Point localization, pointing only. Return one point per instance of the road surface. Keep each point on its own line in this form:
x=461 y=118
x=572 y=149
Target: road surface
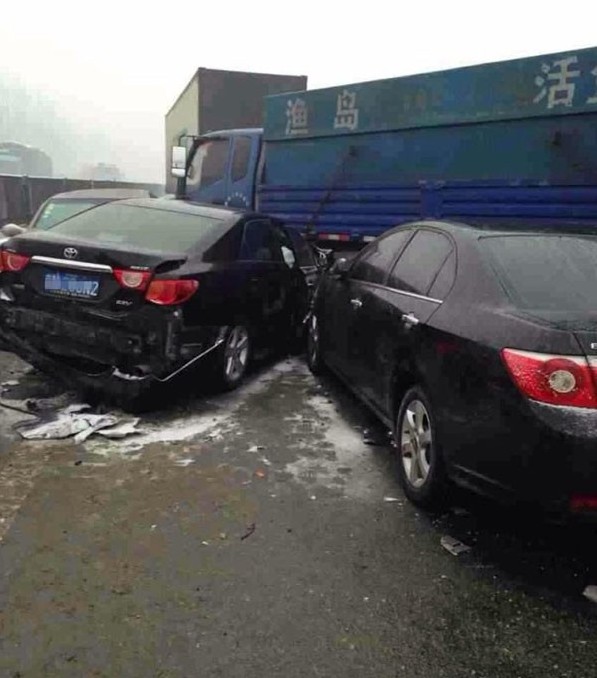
x=255 y=534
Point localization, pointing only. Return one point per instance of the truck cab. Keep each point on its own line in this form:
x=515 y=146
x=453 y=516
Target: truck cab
x=222 y=168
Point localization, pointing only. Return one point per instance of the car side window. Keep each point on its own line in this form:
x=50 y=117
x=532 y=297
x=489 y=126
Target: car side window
x=304 y=253
x=286 y=245
x=420 y=262
x=444 y=280
x=373 y=265
x=260 y=242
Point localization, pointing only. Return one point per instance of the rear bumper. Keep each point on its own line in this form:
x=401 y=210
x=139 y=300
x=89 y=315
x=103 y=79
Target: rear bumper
x=109 y=356
x=536 y=455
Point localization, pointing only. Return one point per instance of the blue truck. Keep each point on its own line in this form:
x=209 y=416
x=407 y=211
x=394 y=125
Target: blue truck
x=499 y=142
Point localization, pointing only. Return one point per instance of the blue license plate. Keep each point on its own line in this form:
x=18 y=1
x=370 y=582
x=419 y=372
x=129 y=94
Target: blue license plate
x=71 y=284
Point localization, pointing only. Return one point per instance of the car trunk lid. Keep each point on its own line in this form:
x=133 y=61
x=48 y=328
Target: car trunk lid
x=81 y=273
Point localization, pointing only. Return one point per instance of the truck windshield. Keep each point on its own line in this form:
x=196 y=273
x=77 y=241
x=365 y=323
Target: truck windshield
x=209 y=164
x=543 y=272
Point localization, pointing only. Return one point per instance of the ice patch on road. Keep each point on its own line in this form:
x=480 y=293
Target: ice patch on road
x=344 y=451
x=215 y=419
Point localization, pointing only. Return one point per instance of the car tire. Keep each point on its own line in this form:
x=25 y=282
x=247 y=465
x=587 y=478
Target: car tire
x=313 y=341
x=235 y=355
x=420 y=464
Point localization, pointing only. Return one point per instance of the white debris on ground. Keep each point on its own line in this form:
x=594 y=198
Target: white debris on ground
x=590 y=593
x=454 y=546
x=212 y=418
x=73 y=421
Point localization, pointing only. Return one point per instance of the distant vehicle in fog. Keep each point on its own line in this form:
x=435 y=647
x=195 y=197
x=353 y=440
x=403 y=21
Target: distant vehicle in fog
x=21 y=159
x=101 y=172
x=62 y=206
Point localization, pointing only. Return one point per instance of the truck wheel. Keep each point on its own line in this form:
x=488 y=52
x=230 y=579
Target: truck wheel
x=420 y=464
x=314 y=360
x=234 y=357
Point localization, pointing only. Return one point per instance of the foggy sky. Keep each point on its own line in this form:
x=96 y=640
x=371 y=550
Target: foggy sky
x=111 y=70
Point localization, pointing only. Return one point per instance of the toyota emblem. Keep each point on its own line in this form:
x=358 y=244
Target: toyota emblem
x=71 y=253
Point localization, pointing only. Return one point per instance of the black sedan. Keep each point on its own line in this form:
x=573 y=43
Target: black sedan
x=479 y=349
x=136 y=292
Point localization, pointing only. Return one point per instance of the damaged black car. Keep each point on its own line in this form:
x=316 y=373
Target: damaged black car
x=134 y=293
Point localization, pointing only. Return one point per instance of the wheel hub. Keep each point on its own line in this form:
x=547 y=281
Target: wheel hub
x=415 y=443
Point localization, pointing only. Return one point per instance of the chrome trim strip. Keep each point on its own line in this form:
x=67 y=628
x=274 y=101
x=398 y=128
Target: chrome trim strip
x=392 y=289
x=128 y=377
x=67 y=263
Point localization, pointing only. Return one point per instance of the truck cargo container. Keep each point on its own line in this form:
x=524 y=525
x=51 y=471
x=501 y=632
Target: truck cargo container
x=512 y=141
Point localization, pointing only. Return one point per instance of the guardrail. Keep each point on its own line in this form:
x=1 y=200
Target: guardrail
x=20 y=196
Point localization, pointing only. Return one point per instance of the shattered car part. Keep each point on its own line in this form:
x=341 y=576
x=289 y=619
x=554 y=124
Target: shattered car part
x=73 y=422
x=454 y=546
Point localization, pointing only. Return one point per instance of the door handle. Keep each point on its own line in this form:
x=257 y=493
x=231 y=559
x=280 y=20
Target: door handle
x=410 y=319
x=356 y=303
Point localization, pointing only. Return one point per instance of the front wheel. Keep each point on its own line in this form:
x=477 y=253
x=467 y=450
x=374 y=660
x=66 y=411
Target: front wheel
x=235 y=355
x=420 y=464
x=314 y=360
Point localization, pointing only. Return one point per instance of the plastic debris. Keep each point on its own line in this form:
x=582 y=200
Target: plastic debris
x=184 y=462
x=454 y=546
x=260 y=473
x=256 y=448
x=123 y=430
x=95 y=425
x=590 y=593
x=73 y=421
x=391 y=500
x=250 y=529
x=13 y=382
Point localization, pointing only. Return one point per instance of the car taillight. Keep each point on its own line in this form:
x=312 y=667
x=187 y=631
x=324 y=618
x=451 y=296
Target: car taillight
x=169 y=292
x=132 y=280
x=583 y=502
x=553 y=379
x=11 y=261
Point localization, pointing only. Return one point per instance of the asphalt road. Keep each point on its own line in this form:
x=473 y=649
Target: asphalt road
x=250 y=535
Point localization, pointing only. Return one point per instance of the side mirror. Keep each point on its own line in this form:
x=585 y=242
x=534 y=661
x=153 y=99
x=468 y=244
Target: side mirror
x=179 y=162
x=341 y=268
x=11 y=230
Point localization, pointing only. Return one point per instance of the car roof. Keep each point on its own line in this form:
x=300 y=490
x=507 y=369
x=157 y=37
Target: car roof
x=189 y=207
x=102 y=193
x=478 y=229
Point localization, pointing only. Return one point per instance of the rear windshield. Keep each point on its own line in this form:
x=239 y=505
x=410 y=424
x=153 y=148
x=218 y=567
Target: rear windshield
x=57 y=211
x=148 y=228
x=546 y=272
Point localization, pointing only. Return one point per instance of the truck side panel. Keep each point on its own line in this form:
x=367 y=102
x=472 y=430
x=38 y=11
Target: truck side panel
x=514 y=140
x=361 y=185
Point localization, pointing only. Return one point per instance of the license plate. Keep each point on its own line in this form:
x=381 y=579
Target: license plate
x=71 y=284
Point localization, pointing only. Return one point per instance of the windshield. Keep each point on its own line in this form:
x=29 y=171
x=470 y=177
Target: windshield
x=59 y=210
x=135 y=226
x=547 y=273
